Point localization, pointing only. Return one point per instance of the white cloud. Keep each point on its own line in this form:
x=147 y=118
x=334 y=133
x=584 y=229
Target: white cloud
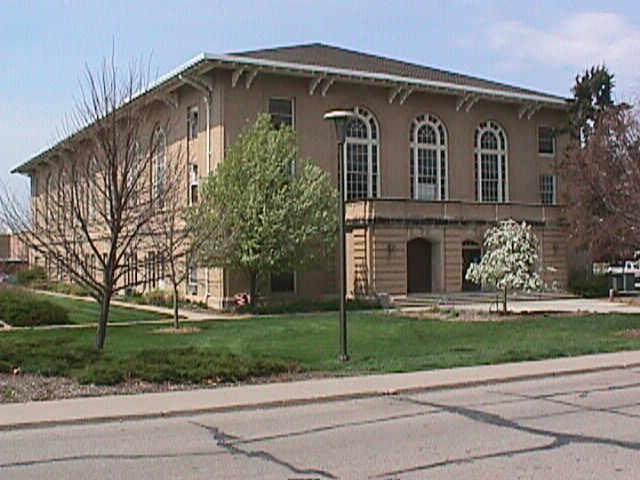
x=577 y=42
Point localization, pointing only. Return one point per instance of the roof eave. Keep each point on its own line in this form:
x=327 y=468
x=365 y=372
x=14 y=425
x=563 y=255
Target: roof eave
x=234 y=61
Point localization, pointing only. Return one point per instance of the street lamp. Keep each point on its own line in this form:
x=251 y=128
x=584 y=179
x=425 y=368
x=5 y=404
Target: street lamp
x=340 y=119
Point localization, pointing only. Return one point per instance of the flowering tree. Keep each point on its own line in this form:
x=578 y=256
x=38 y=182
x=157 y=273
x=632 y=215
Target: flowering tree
x=511 y=250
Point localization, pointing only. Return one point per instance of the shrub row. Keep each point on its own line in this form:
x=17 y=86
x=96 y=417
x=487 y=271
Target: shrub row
x=307 y=306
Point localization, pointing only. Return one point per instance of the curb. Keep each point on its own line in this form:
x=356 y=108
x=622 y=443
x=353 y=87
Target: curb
x=135 y=407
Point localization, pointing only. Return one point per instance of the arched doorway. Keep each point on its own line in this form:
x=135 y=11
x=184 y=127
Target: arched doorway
x=471 y=253
x=418 y=266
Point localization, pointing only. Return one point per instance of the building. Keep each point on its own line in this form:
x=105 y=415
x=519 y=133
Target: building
x=434 y=159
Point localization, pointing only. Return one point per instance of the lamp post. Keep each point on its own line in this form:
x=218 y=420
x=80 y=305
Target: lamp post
x=340 y=118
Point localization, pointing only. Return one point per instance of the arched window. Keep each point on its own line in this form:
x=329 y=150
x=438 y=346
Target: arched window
x=62 y=197
x=93 y=190
x=134 y=176
x=159 y=166
x=361 y=162
x=491 y=163
x=50 y=199
x=428 y=159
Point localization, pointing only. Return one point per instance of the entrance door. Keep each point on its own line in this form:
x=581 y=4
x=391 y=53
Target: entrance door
x=470 y=254
x=418 y=266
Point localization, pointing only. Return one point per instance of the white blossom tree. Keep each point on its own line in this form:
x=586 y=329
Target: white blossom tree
x=511 y=252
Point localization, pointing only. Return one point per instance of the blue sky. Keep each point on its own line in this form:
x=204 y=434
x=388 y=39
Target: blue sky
x=45 y=46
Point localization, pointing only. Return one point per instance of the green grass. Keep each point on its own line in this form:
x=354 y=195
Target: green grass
x=378 y=342
x=82 y=312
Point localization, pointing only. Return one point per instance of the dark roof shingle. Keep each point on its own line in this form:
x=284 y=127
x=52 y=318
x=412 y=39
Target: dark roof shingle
x=322 y=55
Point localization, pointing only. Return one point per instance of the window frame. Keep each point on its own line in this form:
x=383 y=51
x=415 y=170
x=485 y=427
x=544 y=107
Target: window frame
x=554 y=188
x=294 y=276
x=191 y=135
x=502 y=158
x=372 y=145
x=553 y=141
x=292 y=103
x=441 y=150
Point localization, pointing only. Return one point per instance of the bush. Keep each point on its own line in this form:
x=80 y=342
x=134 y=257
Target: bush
x=67 y=288
x=20 y=308
x=589 y=285
x=31 y=275
x=182 y=364
x=159 y=298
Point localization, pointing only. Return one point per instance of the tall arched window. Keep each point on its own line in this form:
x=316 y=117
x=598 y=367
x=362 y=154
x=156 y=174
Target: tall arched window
x=50 y=199
x=492 y=164
x=63 y=206
x=159 y=165
x=134 y=175
x=93 y=188
x=428 y=159
x=361 y=162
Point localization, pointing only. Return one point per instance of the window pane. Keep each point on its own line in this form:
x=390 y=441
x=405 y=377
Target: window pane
x=281 y=111
x=282 y=282
x=546 y=140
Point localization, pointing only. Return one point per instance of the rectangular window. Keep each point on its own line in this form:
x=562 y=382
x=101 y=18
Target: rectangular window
x=192 y=287
x=548 y=189
x=546 y=141
x=283 y=282
x=192 y=123
x=281 y=111
x=193 y=184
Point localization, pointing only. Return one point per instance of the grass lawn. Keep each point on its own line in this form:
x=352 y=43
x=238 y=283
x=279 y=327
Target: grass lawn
x=239 y=349
x=81 y=311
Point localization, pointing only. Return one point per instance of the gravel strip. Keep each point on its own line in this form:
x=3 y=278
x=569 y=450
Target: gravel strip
x=17 y=388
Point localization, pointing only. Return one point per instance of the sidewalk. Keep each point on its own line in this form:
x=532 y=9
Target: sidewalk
x=568 y=305
x=151 y=405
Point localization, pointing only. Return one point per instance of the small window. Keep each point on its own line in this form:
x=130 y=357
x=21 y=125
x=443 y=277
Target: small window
x=192 y=123
x=548 y=189
x=34 y=185
x=281 y=111
x=283 y=282
x=546 y=141
x=193 y=184
x=192 y=287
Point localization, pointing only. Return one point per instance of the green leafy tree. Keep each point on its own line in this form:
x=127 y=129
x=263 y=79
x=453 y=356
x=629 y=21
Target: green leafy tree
x=265 y=209
x=592 y=96
x=511 y=251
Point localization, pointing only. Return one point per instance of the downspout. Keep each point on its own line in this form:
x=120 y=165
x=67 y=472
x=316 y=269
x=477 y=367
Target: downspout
x=206 y=90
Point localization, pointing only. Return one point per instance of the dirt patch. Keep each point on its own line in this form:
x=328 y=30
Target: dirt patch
x=634 y=333
x=176 y=331
x=452 y=315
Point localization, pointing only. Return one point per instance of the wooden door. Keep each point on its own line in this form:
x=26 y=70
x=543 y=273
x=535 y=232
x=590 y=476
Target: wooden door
x=419 y=266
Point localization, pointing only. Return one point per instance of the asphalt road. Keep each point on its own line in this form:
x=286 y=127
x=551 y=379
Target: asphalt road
x=574 y=427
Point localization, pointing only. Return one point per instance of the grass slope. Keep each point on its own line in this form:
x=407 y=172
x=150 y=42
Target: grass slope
x=82 y=312
x=378 y=342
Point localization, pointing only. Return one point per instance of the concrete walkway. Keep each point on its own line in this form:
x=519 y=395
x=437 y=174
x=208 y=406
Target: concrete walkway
x=185 y=313
x=560 y=305
x=90 y=409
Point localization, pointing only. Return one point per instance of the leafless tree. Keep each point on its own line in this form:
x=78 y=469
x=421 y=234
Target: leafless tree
x=169 y=234
x=104 y=186
x=603 y=186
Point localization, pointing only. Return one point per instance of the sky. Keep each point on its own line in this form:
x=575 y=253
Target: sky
x=46 y=46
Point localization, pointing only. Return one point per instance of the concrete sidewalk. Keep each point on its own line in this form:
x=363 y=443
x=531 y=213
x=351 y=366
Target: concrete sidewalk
x=90 y=409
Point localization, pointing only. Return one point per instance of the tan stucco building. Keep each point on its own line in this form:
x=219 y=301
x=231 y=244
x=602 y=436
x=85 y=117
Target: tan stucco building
x=434 y=159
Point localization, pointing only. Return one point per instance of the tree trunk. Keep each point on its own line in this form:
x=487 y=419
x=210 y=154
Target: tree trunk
x=175 y=307
x=101 y=334
x=504 y=301
x=253 y=288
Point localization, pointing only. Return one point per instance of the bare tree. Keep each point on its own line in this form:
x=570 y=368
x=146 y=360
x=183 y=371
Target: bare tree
x=169 y=234
x=603 y=186
x=103 y=188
